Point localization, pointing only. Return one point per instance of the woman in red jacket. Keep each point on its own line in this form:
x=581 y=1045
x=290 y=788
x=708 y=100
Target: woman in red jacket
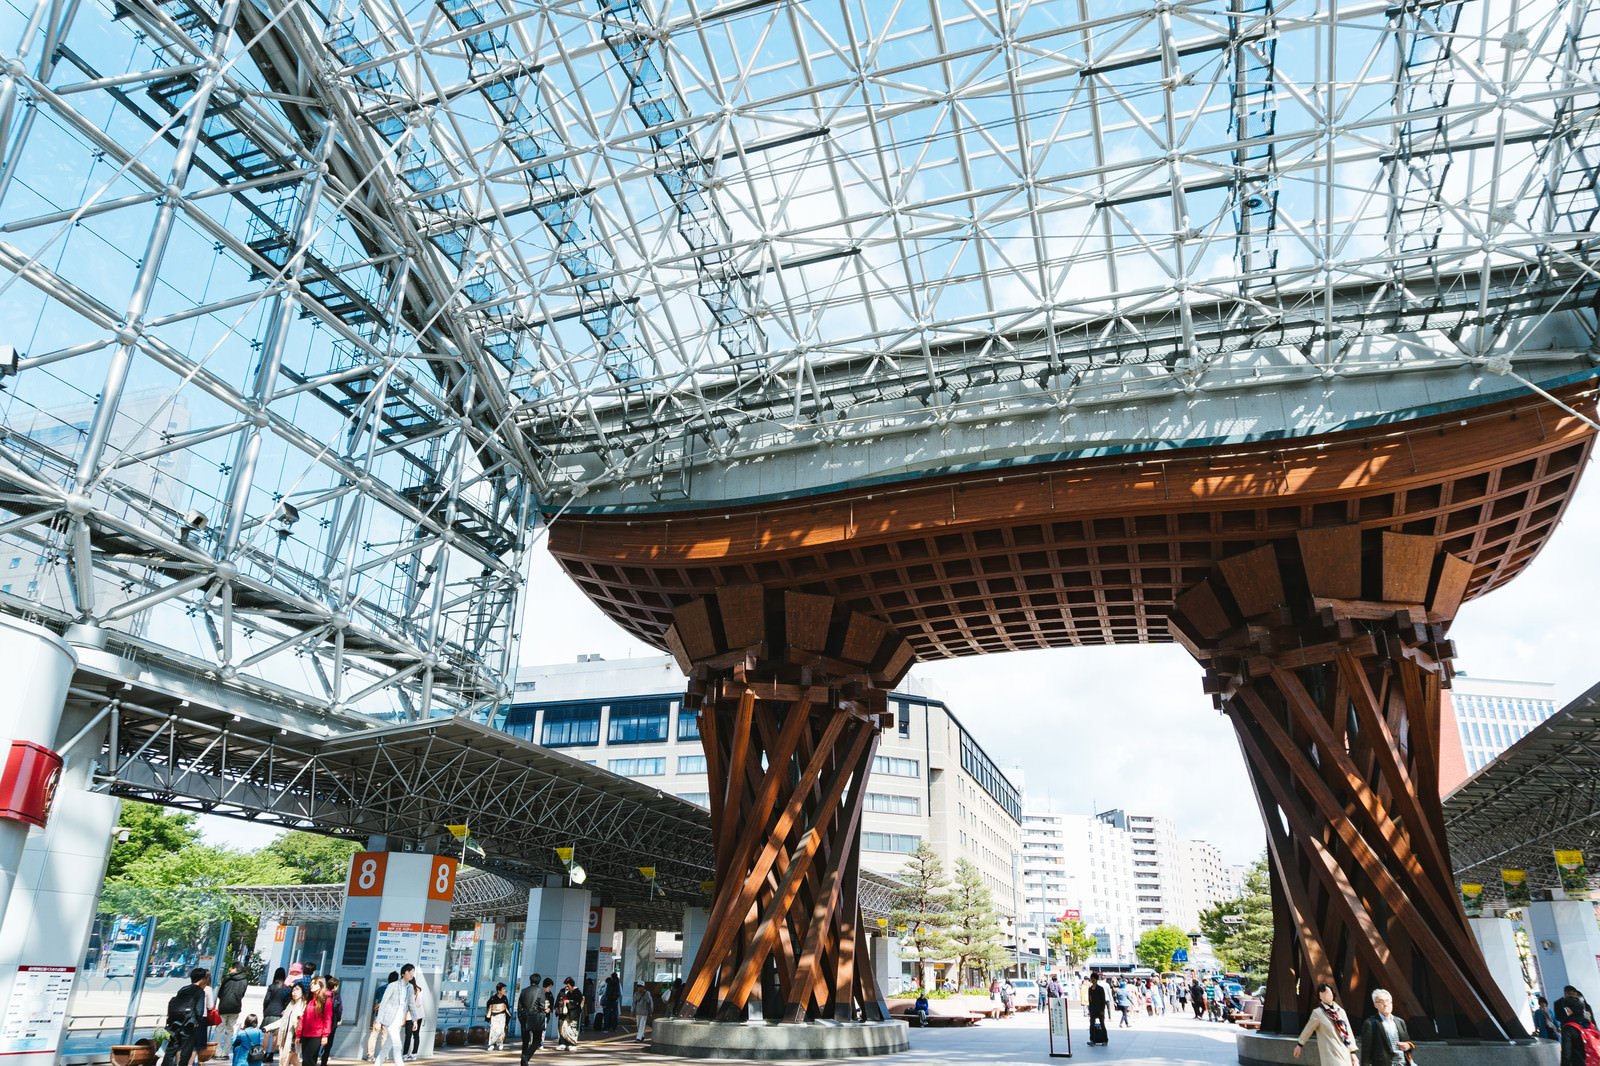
x=316 y=1024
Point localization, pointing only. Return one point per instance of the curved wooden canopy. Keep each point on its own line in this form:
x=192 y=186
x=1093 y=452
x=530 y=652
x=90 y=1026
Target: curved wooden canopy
x=1096 y=551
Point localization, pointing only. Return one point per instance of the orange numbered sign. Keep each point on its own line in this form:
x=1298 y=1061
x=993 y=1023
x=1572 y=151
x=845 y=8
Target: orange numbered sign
x=442 y=878
x=366 y=873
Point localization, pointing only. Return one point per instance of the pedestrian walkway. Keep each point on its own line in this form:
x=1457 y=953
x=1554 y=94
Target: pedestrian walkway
x=1171 y=1040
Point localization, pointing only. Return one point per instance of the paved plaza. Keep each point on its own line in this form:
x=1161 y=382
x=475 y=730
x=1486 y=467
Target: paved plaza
x=1173 y=1039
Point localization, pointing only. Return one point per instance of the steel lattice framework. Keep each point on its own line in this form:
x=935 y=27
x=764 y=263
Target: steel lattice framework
x=312 y=306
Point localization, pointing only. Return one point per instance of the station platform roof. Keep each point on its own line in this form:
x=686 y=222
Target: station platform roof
x=1539 y=795
x=175 y=740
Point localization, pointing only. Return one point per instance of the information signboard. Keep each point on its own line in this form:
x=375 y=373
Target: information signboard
x=1060 y=1029
x=37 y=1012
x=398 y=944
x=433 y=947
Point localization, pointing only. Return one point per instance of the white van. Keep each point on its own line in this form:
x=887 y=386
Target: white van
x=122 y=960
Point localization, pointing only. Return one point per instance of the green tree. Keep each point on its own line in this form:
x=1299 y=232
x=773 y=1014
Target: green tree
x=314 y=858
x=972 y=923
x=1244 y=946
x=920 y=910
x=183 y=889
x=1156 y=946
x=1075 y=941
x=149 y=828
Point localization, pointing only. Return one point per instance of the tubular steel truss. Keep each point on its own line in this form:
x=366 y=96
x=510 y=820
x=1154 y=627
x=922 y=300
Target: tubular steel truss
x=309 y=306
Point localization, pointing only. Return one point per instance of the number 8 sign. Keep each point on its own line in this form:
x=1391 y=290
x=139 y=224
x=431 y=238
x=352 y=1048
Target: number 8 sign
x=442 y=878
x=366 y=873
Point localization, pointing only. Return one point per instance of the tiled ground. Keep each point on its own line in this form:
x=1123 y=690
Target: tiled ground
x=1171 y=1041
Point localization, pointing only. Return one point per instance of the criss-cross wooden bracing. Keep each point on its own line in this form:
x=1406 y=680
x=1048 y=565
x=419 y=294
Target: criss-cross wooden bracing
x=1328 y=653
x=790 y=690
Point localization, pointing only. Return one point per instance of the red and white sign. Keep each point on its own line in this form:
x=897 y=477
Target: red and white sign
x=442 y=878
x=28 y=783
x=594 y=919
x=1069 y=916
x=367 y=870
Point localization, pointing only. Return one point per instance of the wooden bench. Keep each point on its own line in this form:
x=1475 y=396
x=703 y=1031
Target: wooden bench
x=1250 y=1017
x=939 y=1020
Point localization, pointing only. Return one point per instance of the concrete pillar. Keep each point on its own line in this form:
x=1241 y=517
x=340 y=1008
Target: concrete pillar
x=695 y=920
x=557 y=932
x=1566 y=942
x=1498 y=939
x=638 y=959
x=396 y=911
x=45 y=933
x=39 y=667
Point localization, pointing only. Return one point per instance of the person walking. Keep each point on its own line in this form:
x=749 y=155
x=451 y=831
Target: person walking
x=552 y=1024
x=1336 y=1045
x=1544 y=1022
x=1572 y=1016
x=186 y=1021
x=1197 y=997
x=248 y=1043
x=315 y=1030
x=272 y=1007
x=390 y=1021
x=611 y=1001
x=417 y=1010
x=569 y=1008
x=289 y=1024
x=1124 y=1000
x=1005 y=1000
x=1096 y=1002
x=644 y=1004
x=1384 y=1039
x=530 y=1016
x=337 y=1001
x=497 y=1012
x=230 y=1003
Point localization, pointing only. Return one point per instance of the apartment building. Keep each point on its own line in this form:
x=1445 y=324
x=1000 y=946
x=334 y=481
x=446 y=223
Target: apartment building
x=1493 y=714
x=931 y=779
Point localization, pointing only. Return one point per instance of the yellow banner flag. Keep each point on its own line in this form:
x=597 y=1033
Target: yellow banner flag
x=883 y=923
x=648 y=872
x=564 y=854
x=458 y=831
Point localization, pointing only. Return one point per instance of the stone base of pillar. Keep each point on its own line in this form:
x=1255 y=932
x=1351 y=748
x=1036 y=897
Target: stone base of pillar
x=1258 y=1050
x=777 y=1041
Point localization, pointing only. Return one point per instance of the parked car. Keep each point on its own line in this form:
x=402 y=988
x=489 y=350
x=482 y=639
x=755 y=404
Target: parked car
x=1027 y=988
x=122 y=960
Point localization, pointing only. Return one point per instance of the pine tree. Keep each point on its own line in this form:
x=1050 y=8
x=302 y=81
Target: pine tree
x=974 y=925
x=1244 y=946
x=920 y=910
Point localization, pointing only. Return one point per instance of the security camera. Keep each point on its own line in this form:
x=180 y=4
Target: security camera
x=195 y=520
x=121 y=834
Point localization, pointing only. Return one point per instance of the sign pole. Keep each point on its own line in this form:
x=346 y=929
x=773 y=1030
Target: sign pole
x=1060 y=1027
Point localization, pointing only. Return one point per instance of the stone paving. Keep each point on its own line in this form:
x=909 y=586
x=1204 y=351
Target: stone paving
x=1179 y=1041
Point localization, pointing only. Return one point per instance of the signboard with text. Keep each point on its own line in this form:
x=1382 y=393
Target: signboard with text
x=1060 y=1029
x=37 y=1012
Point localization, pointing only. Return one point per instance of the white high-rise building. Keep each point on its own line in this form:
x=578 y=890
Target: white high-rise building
x=1160 y=856
x=1492 y=715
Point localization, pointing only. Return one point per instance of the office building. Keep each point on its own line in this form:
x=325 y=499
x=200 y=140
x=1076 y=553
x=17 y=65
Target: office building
x=931 y=779
x=1492 y=714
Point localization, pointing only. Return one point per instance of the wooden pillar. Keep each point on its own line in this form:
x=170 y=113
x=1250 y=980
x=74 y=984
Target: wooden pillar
x=1328 y=655
x=791 y=694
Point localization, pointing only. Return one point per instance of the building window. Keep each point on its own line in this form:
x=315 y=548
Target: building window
x=699 y=799
x=638 y=722
x=905 y=718
x=638 y=767
x=16 y=561
x=688 y=725
x=567 y=727
x=896 y=842
x=888 y=764
x=691 y=764
x=885 y=803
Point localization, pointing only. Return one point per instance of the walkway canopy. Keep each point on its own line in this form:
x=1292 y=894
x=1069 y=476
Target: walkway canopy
x=1541 y=794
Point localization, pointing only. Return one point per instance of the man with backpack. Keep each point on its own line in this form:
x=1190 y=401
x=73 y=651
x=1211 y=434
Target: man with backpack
x=186 y=1020
x=1580 y=1042
x=569 y=1007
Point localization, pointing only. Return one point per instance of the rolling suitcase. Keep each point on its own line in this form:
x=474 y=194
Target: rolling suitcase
x=1097 y=1031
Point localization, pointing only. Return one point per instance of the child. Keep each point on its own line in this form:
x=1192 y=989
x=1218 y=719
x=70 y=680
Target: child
x=249 y=1043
